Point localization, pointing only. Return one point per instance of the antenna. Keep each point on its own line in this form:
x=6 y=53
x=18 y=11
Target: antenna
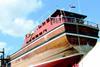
x=79 y=8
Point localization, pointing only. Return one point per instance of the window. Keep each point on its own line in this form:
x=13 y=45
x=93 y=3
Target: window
x=43 y=23
x=48 y=20
x=40 y=33
x=39 y=26
x=33 y=38
x=36 y=36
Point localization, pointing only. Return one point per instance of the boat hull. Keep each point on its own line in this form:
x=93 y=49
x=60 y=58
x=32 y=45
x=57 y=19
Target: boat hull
x=71 y=61
x=60 y=44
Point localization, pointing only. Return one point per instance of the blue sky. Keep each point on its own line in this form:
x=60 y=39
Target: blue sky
x=18 y=17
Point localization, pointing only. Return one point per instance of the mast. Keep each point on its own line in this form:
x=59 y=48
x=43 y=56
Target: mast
x=79 y=8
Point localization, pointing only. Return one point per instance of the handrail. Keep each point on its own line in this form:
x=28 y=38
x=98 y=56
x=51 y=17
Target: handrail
x=70 y=20
x=75 y=20
x=92 y=24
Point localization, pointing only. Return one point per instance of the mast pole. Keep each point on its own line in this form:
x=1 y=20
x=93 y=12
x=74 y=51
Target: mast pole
x=79 y=8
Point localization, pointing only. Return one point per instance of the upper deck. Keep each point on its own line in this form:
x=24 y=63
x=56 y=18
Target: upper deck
x=57 y=18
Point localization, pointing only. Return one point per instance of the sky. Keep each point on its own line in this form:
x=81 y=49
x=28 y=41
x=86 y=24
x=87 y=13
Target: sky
x=19 y=17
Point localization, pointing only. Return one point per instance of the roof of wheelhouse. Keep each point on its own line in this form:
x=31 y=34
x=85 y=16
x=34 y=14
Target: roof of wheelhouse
x=67 y=13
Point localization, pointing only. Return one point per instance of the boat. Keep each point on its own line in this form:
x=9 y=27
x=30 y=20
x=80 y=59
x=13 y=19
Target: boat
x=61 y=40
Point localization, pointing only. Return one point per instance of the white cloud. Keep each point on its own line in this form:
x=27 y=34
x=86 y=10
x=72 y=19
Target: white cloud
x=19 y=27
x=13 y=16
x=3 y=45
x=7 y=49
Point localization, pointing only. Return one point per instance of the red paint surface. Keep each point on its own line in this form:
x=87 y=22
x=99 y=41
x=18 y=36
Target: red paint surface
x=66 y=62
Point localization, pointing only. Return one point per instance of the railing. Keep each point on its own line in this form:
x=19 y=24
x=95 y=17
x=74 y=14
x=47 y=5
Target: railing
x=65 y=19
x=73 y=20
x=89 y=23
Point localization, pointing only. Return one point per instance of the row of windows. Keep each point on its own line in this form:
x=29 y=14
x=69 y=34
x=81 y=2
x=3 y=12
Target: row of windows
x=41 y=25
x=34 y=37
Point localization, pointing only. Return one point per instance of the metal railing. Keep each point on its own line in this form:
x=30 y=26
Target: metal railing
x=73 y=20
x=92 y=24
